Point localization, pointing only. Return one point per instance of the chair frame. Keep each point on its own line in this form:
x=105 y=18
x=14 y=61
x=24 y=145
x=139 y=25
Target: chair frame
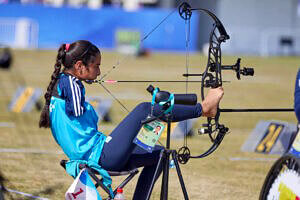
x=99 y=181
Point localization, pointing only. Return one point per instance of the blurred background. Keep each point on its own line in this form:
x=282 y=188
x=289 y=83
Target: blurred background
x=268 y=27
x=265 y=34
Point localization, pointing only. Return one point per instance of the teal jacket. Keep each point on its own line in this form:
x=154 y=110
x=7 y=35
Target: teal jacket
x=78 y=136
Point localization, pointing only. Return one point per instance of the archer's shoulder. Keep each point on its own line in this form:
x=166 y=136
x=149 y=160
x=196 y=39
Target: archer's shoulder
x=67 y=81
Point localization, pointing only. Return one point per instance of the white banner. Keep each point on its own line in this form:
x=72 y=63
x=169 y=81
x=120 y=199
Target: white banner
x=82 y=188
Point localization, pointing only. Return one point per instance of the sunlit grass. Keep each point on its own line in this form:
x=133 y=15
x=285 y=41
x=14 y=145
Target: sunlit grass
x=214 y=177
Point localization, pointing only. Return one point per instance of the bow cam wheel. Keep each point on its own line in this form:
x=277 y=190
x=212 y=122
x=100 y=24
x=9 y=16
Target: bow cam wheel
x=185 y=11
x=183 y=155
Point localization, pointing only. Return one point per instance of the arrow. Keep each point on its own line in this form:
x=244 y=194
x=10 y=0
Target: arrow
x=146 y=81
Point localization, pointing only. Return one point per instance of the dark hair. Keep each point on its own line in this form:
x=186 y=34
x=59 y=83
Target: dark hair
x=80 y=50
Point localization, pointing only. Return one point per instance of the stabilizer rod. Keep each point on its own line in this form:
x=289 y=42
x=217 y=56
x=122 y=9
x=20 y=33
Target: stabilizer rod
x=258 y=110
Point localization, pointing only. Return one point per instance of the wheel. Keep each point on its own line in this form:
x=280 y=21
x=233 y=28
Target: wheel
x=283 y=179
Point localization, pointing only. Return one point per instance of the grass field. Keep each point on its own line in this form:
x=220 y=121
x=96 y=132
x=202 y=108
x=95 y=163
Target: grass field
x=214 y=177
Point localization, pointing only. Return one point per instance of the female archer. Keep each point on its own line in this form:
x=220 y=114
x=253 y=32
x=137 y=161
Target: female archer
x=73 y=121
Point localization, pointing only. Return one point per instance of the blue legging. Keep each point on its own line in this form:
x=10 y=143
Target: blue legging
x=120 y=153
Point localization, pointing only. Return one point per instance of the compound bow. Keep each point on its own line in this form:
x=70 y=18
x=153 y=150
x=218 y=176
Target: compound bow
x=211 y=78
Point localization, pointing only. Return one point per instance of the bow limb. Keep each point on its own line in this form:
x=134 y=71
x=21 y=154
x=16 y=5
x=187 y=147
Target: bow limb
x=212 y=78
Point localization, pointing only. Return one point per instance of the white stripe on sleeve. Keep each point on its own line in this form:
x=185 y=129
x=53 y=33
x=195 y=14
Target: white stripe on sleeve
x=80 y=108
x=73 y=96
x=77 y=95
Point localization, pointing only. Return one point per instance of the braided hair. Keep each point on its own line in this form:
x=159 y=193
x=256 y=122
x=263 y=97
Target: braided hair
x=68 y=55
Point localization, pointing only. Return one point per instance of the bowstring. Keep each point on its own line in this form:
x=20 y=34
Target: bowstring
x=138 y=44
x=123 y=59
x=118 y=63
x=113 y=96
x=187 y=55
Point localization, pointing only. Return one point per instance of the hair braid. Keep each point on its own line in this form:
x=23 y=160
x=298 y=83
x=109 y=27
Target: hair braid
x=45 y=118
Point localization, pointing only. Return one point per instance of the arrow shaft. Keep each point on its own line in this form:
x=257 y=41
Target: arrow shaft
x=146 y=81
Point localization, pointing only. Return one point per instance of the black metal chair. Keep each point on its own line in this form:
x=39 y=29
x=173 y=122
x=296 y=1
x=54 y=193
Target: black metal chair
x=99 y=182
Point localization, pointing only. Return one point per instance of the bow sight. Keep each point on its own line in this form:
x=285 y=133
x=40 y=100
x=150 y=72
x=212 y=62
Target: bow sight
x=246 y=71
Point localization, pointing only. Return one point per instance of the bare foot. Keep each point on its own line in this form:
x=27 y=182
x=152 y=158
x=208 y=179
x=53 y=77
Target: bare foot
x=211 y=102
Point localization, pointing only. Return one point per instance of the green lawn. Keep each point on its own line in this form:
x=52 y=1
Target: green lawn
x=214 y=177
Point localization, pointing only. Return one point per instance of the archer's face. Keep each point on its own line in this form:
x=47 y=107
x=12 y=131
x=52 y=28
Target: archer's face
x=92 y=70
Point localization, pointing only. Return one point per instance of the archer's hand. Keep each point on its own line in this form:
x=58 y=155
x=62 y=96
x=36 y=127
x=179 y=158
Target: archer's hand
x=211 y=102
